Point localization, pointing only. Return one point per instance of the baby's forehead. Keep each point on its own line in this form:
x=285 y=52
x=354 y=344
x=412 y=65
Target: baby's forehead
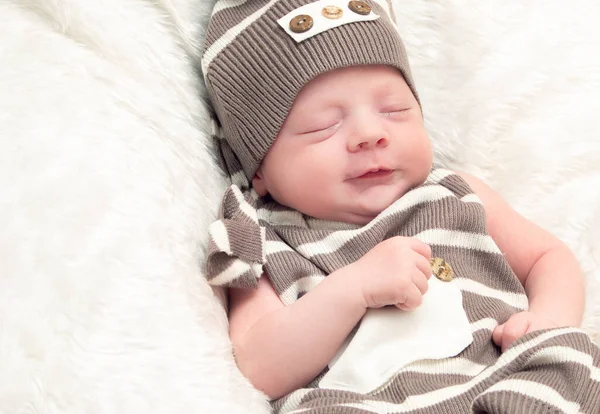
x=358 y=73
x=376 y=79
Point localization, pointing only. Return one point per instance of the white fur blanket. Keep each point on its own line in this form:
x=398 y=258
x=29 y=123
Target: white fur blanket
x=108 y=184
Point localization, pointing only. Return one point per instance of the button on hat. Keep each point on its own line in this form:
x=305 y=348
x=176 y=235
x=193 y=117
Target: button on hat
x=332 y=12
x=359 y=7
x=301 y=23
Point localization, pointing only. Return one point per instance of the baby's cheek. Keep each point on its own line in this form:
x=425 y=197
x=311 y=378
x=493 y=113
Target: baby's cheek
x=316 y=163
x=312 y=179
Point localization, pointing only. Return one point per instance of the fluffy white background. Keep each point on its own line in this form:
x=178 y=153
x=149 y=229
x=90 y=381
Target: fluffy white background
x=107 y=185
x=107 y=188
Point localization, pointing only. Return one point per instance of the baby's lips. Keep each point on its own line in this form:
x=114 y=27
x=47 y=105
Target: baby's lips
x=371 y=171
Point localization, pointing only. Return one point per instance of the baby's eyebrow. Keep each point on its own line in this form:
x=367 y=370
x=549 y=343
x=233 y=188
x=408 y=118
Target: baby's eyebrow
x=317 y=107
x=388 y=89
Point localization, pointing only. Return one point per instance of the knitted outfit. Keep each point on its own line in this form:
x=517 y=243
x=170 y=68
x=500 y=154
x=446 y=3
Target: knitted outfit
x=254 y=69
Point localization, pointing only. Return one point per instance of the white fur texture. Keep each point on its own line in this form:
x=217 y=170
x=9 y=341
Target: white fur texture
x=107 y=190
x=107 y=183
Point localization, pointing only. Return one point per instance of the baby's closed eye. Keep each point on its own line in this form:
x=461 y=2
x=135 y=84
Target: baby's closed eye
x=395 y=111
x=321 y=127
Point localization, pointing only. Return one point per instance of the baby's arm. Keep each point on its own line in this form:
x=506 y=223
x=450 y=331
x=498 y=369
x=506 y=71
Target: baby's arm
x=282 y=348
x=545 y=266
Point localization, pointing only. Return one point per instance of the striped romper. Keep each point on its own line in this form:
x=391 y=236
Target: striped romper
x=547 y=371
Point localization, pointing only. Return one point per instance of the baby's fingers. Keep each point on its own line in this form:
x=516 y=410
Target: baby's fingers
x=497 y=335
x=513 y=329
x=413 y=299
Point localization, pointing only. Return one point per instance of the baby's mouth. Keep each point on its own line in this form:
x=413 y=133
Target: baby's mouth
x=378 y=173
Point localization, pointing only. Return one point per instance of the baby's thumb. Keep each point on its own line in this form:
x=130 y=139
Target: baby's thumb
x=497 y=334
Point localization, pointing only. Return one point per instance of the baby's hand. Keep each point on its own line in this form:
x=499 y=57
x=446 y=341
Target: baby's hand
x=395 y=272
x=518 y=325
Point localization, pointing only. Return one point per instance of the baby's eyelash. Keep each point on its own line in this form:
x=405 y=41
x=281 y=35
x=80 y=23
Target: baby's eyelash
x=395 y=111
x=322 y=129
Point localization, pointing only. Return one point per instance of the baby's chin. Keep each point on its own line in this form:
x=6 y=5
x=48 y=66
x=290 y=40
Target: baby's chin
x=366 y=212
x=374 y=204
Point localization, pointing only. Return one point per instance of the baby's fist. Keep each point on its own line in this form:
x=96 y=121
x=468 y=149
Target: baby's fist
x=518 y=325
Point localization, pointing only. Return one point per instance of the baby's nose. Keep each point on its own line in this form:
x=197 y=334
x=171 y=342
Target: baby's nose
x=364 y=142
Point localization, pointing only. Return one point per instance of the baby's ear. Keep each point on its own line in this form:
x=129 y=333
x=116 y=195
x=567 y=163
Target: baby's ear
x=258 y=183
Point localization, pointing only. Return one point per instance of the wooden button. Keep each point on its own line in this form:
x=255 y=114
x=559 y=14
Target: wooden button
x=332 y=12
x=359 y=7
x=301 y=23
x=441 y=269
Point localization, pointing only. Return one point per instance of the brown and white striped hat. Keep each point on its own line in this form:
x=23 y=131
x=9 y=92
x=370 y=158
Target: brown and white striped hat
x=254 y=67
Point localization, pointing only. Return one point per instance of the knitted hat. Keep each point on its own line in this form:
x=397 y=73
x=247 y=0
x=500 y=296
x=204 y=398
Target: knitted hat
x=254 y=66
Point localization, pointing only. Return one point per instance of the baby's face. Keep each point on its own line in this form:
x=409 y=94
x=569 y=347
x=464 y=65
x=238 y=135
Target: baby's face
x=352 y=144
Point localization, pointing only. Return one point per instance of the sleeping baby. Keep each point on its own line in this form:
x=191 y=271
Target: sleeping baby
x=362 y=278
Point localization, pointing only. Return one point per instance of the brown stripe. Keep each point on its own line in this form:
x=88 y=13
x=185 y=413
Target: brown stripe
x=217 y=262
x=457 y=185
x=449 y=213
x=414 y=383
x=229 y=161
x=246 y=281
x=298 y=267
x=480 y=307
x=482 y=351
x=225 y=19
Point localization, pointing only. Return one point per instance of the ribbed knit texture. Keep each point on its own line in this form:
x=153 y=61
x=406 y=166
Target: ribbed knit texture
x=256 y=75
x=547 y=371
